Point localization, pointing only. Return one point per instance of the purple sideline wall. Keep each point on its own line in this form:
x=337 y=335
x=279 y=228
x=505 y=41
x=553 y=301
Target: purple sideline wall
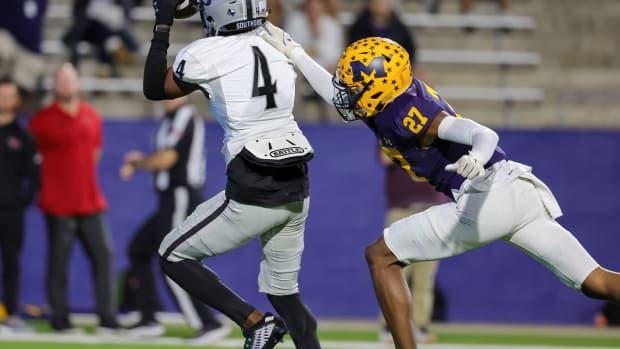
x=496 y=283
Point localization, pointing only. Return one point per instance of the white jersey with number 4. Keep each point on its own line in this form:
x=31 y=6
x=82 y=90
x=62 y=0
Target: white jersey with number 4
x=251 y=86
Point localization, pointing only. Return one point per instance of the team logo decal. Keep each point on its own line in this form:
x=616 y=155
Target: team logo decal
x=14 y=143
x=376 y=65
x=278 y=153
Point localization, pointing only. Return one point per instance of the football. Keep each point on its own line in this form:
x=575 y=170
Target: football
x=185 y=9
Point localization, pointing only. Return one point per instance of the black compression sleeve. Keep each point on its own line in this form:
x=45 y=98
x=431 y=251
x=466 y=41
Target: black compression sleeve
x=203 y=284
x=299 y=320
x=156 y=67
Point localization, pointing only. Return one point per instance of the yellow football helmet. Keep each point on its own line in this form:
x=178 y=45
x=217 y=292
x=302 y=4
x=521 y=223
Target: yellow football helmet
x=370 y=74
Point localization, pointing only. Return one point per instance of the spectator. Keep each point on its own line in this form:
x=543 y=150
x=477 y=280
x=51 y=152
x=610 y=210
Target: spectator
x=21 y=24
x=125 y=31
x=405 y=197
x=316 y=27
x=378 y=18
x=68 y=137
x=19 y=180
x=178 y=165
x=103 y=24
x=315 y=24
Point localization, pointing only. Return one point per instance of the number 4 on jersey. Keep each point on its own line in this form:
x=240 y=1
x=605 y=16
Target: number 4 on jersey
x=268 y=89
x=180 y=69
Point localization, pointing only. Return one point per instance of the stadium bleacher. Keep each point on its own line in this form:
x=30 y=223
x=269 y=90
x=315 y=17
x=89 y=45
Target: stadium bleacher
x=500 y=74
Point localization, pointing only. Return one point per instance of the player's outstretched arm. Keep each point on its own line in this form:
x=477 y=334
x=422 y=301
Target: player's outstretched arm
x=279 y=39
x=482 y=139
x=158 y=82
x=160 y=160
x=317 y=76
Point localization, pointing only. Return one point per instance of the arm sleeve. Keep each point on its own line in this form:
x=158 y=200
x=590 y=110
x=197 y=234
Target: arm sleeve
x=156 y=67
x=482 y=139
x=319 y=78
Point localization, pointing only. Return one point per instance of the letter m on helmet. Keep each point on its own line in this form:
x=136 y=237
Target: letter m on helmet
x=376 y=65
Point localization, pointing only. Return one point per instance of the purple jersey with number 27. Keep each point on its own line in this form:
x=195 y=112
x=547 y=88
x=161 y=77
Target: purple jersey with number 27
x=399 y=126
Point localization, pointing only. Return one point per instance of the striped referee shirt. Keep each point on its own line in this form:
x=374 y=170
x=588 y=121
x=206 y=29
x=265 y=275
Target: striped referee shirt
x=183 y=131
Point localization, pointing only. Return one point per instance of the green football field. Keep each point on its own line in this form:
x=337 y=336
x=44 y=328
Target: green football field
x=343 y=335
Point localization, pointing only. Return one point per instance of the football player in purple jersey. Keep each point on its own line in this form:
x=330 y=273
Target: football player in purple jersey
x=493 y=198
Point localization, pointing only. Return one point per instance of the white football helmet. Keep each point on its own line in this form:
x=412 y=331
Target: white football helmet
x=225 y=17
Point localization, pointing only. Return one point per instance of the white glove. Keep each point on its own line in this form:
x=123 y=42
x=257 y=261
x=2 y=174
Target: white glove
x=467 y=166
x=279 y=39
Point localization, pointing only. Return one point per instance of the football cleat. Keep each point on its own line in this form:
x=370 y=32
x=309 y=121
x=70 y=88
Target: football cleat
x=265 y=334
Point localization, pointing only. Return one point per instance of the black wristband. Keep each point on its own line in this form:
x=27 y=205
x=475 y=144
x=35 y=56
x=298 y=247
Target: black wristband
x=161 y=28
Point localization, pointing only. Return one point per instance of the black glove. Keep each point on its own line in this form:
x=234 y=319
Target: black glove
x=164 y=11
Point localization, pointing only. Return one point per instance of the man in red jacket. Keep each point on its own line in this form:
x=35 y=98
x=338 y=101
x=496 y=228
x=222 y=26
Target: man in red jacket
x=68 y=137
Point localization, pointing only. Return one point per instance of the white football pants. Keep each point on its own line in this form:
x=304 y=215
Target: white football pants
x=521 y=211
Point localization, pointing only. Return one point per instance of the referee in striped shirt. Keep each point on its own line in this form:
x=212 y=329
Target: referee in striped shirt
x=179 y=165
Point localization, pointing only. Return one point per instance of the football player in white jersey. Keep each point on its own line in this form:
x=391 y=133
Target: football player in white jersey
x=250 y=87
x=494 y=198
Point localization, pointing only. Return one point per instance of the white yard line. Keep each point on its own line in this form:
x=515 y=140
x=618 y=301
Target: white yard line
x=238 y=343
x=371 y=325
